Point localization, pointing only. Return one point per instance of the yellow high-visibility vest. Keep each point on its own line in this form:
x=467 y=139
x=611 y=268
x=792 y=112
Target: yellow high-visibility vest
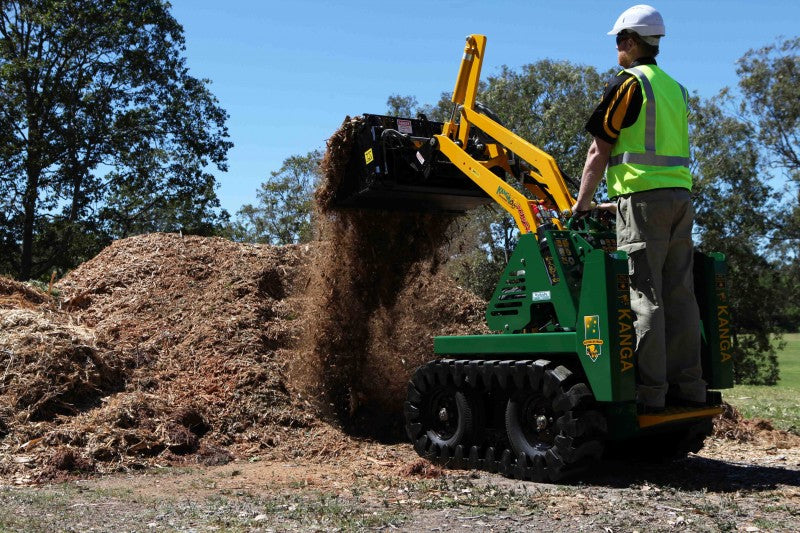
x=653 y=153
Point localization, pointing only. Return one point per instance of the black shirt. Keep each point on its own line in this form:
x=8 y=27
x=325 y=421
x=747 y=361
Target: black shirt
x=620 y=106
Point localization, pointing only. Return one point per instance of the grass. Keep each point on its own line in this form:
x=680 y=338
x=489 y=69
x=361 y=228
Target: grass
x=779 y=403
x=789 y=361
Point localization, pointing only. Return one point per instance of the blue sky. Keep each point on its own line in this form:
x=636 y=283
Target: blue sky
x=289 y=71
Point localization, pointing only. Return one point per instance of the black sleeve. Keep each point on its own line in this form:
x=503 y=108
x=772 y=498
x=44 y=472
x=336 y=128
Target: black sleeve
x=619 y=108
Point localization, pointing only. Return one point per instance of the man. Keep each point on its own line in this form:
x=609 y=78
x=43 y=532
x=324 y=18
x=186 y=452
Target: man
x=641 y=134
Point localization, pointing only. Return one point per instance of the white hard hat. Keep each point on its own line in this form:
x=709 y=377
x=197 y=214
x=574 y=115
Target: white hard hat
x=642 y=19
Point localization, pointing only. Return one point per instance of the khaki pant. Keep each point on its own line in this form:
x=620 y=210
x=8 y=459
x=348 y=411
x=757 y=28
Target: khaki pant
x=655 y=229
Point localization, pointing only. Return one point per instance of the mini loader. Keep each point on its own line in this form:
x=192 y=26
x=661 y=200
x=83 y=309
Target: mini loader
x=553 y=389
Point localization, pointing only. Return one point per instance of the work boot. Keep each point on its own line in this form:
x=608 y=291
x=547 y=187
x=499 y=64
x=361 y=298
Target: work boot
x=683 y=402
x=676 y=399
x=644 y=409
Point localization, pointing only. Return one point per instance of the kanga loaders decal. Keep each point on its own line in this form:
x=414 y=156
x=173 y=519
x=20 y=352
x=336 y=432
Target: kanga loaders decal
x=591 y=336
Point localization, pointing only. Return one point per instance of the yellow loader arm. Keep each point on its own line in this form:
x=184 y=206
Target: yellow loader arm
x=544 y=180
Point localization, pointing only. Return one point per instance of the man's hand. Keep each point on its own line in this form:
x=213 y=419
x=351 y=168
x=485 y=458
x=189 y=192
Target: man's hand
x=581 y=209
x=608 y=206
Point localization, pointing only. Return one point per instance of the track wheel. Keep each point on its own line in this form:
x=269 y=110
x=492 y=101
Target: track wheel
x=439 y=417
x=531 y=424
x=447 y=417
x=551 y=425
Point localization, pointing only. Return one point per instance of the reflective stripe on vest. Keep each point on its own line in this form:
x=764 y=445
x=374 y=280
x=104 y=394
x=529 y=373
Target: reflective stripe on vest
x=649 y=157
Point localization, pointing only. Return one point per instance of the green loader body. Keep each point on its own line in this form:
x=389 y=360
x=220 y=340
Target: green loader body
x=554 y=388
x=571 y=288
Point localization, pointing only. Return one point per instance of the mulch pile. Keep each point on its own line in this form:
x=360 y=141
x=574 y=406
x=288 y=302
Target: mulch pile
x=166 y=349
x=161 y=348
x=49 y=361
x=731 y=425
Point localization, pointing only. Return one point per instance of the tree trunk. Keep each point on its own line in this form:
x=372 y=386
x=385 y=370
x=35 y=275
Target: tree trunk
x=74 y=209
x=33 y=170
x=29 y=207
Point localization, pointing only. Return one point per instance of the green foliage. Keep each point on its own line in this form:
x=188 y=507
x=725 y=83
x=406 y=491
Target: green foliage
x=790 y=279
x=409 y=107
x=285 y=206
x=547 y=103
x=104 y=131
x=755 y=360
x=401 y=106
x=769 y=79
x=740 y=144
x=477 y=256
x=733 y=205
x=441 y=110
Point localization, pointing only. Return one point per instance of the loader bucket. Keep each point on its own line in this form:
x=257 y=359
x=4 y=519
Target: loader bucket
x=384 y=171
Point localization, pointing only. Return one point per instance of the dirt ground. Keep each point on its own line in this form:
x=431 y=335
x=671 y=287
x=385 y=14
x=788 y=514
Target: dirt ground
x=729 y=486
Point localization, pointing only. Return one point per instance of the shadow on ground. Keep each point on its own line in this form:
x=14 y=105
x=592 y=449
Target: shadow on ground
x=694 y=473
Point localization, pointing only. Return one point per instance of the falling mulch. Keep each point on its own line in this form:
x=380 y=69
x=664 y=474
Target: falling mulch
x=377 y=298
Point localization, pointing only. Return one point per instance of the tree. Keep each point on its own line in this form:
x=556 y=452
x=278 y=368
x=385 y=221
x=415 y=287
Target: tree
x=548 y=103
x=286 y=200
x=790 y=279
x=409 y=107
x=769 y=79
x=733 y=206
x=104 y=129
x=480 y=245
x=401 y=106
x=770 y=82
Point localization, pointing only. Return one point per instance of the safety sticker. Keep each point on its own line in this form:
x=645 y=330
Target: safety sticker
x=368 y=157
x=541 y=296
x=404 y=126
x=591 y=336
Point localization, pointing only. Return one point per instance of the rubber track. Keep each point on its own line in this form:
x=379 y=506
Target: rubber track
x=564 y=459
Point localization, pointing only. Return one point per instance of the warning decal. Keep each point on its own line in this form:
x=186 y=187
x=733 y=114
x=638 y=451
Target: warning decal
x=404 y=126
